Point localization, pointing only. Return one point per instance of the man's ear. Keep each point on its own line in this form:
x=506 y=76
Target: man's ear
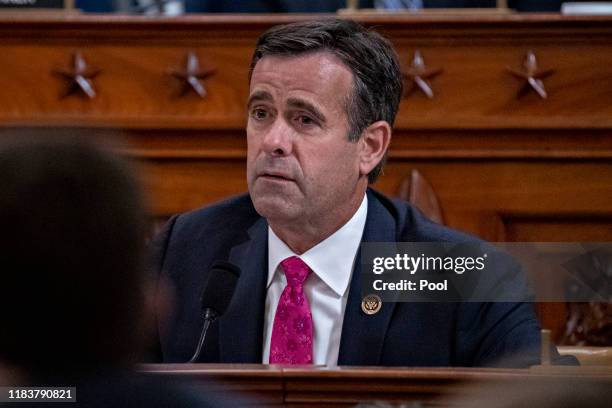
x=374 y=142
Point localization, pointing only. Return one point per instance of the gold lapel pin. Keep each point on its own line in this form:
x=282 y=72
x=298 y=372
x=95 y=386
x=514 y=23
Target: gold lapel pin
x=371 y=304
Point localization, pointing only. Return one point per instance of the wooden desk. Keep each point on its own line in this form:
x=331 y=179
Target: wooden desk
x=347 y=386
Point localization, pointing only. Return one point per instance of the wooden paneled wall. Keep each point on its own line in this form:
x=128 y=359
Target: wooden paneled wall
x=503 y=167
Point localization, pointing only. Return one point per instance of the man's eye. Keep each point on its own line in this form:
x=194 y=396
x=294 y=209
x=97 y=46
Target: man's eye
x=259 y=114
x=306 y=120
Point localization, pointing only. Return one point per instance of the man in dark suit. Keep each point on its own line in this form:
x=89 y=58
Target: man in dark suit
x=323 y=97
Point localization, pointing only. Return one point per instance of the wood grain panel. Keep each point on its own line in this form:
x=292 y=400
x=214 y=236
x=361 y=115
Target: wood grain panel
x=565 y=229
x=475 y=91
x=349 y=386
x=135 y=55
x=176 y=187
x=502 y=168
x=513 y=187
x=134 y=86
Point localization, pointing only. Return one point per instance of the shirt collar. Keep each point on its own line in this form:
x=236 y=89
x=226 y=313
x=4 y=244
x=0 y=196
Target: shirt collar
x=332 y=259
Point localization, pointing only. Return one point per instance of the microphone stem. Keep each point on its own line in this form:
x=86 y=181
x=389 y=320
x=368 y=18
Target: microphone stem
x=209 y=317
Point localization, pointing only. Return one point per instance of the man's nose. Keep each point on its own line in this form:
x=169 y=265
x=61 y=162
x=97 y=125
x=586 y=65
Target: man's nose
x=278 y=139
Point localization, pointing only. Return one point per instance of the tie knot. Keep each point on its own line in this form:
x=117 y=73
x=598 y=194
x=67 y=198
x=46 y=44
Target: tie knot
x=295 y=270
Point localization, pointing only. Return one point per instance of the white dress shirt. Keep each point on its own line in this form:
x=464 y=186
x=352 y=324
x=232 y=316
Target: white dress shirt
x=332 y=262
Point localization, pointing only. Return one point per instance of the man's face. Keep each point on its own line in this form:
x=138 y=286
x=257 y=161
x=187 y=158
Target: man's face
x=301 y=165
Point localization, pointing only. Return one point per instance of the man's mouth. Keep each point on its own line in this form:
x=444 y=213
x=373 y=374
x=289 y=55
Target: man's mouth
x=275 y=177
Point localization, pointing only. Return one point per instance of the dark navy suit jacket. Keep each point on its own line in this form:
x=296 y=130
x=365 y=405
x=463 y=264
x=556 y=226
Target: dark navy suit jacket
x=400 y=334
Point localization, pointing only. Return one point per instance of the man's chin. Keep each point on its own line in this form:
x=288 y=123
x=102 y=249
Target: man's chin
x=274 y=208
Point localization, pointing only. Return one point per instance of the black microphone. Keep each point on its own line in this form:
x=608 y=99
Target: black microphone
x=216 y=296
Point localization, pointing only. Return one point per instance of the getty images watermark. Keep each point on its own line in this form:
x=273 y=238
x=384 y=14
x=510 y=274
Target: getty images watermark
x=484 y=272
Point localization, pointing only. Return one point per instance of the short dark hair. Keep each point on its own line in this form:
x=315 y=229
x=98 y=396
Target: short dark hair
x=377 y=78
x=71 y=249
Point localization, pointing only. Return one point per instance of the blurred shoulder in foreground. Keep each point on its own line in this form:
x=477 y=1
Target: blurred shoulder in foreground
x=73 y=295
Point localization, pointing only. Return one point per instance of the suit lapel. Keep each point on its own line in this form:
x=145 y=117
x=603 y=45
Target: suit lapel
x=363 y=335
x=241 y=328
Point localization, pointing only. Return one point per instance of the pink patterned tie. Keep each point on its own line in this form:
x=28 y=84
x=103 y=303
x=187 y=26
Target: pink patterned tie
x=292 y=330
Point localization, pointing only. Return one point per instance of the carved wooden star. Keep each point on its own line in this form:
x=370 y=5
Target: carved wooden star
x=532 y=75
x=193 y=76
x=80 y=76
x=418 y=74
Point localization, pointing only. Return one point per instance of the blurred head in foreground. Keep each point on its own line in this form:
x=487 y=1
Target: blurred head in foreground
x=72 y=289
